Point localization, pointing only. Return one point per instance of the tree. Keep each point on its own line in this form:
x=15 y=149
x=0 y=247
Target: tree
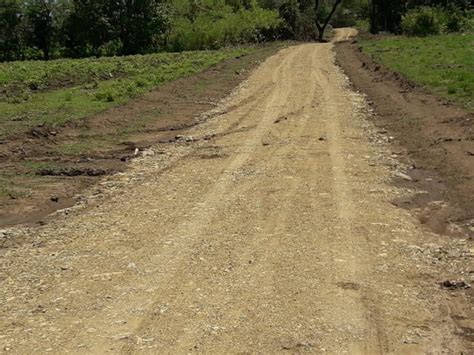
x=386 y=15
x=138 y=24
x=87 y=28
x=10 y=30
x=41 y=27
x=321 y=26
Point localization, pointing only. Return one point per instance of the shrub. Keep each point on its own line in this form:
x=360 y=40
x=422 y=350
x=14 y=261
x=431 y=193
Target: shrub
x=424 y=21
x=421 y=21
x=467 y=21
x=344 y=18
x=216 y=30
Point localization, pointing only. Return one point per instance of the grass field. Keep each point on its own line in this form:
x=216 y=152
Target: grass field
x=56 y=92
x=444 y=64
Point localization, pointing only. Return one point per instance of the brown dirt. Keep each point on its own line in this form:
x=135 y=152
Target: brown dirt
x=434 y=140
x=113 y=135
x=271 y=230
x=433 y=137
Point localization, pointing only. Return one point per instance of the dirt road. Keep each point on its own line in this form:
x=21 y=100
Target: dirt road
x=269 y=228
x=344 y=34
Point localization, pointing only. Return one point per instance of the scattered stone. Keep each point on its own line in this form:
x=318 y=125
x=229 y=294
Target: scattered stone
x=148 y=153
x=187 y=139
x=131 y=266
x=120 y=337
x=403 y=176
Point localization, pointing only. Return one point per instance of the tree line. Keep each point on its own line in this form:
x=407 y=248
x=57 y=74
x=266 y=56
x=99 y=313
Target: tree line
x=79 y=28
x=44 y=29
x=387 y=15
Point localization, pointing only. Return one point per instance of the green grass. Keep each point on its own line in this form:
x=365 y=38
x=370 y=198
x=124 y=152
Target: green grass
x=10 y=187
x=60 y=91
x=444 y=64
x=33 y=167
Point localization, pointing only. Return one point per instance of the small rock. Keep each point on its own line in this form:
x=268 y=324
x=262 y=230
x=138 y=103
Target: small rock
x=131 y=266
x=403 y=176
x=55 y=198
x=148 y=153
x=185 y=138
x=454 y=284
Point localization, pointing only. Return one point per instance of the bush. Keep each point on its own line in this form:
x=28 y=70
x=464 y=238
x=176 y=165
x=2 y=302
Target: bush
x=344 y=18
x=421 y=21
x=216 y=30
x=424 y=21
x=467 y=21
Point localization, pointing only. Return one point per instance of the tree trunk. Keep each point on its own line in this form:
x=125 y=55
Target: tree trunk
x=46 y=55
x=373 y=17
x=322 y=28
x=320 y=36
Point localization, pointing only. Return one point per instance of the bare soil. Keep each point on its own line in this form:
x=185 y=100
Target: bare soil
x=434 y=137
x=268 y=228
x=114 y=137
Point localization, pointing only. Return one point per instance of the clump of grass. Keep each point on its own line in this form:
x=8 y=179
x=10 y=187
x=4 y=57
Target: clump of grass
x=444 y=64
x=10 y=188
x=32 y=167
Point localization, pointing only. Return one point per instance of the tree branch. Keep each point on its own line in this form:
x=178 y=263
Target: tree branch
x=322 y=27
x=334 y=8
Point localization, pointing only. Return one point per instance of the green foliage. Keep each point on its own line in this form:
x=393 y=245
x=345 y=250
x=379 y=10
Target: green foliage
x=107 y=27
x=59 y=91
x=344 y=18
x=424 y=21
x=10 y=29
x=41 y=26
x=387 y=15
x=442 y=63
x=34 y=29
x=300 y=18
x=299 y=21
x=213 y=24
